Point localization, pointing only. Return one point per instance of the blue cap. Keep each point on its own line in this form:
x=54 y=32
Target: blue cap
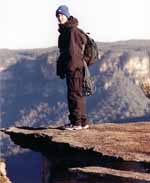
x=63 y=9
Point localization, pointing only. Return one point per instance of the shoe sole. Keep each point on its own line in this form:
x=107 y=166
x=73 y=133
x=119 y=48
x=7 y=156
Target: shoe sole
x=74 y=128
x=70 y=129
x=85 y=127
x=77 y=128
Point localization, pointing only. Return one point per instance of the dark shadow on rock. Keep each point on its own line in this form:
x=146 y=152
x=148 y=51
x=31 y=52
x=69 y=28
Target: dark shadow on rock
x=30 y=128
x=41 y=128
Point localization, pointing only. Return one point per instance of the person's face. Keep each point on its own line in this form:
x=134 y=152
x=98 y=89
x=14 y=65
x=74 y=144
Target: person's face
x=62 y=19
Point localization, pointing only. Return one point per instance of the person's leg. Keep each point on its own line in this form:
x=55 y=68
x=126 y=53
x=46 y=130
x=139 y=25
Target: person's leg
x=76 y=102
x=83 y=107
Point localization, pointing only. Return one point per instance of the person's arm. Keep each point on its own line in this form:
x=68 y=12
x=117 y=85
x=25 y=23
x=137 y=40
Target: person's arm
x=60 y=63
x=59 y=68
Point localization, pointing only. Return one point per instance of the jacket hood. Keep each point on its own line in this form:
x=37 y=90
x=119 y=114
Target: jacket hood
x=72 y=22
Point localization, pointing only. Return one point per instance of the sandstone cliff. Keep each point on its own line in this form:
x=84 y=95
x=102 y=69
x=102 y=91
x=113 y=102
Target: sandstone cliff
x=3 y=174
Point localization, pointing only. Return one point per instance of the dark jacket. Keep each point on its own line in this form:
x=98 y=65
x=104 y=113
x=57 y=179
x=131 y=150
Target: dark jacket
x=70 y=43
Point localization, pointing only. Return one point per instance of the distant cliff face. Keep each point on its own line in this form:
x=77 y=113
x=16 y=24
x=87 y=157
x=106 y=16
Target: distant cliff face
x=32 y=95
x=124 y=78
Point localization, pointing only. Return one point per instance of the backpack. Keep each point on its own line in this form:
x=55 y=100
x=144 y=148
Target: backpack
x=89 y=50
x=88 y=85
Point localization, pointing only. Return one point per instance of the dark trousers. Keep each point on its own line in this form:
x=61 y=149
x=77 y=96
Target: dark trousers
x=76 y=102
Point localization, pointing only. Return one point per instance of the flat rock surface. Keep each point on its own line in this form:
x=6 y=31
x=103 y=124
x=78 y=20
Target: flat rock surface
x=130 y=141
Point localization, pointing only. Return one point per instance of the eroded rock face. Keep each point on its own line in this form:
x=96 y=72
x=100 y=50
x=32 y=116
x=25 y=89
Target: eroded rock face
x=146 y=87
x=3 y=174
x=124 y=76
x=138 y=66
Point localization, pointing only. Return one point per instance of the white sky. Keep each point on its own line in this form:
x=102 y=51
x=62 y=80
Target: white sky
x=32 y=23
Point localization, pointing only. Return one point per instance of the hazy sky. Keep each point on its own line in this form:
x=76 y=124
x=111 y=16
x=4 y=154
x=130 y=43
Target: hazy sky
x=32 y=23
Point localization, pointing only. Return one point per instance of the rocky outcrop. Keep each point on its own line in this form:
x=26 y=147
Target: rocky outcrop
x=109 y=149
x=3 y=174
x=127 y=141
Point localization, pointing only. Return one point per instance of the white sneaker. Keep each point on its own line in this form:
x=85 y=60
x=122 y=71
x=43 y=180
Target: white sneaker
x=77 y=127
x=85 y=127
x=73 y=127
x=68 y=127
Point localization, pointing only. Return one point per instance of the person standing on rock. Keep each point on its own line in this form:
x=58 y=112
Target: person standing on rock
x=70 y=66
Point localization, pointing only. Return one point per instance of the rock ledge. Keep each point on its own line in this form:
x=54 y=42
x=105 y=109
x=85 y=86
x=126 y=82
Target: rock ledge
x=129 y=142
